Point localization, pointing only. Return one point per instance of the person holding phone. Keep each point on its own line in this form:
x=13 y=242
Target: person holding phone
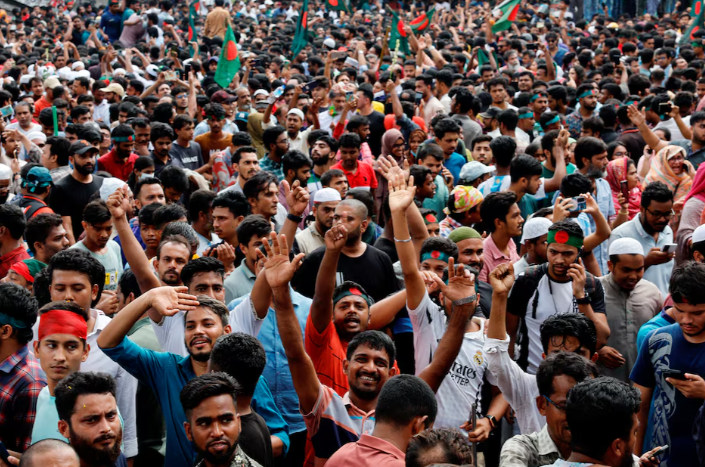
x=626 y=189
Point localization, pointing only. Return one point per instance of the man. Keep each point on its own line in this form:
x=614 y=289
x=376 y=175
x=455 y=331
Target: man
x=556 y=52
x=249 y=239
x=229 y=209
x=502 y=149
x=213 y=421
x=175 y=182
x=365 y=98
x=217 y=21
x=216 y=139
x=262 y=195
x=276 y=143
x=534 y=237
x=650 y=228
x=120 y=161
x=460 y=106
x=502 y=218
x=463 y=209
x=295 y=120
x=12 y=226
x=200 y=211
x=88 y=418
x=588 y=103
x=185 y=152
x=47 y=99
x=55 y=157
x=527 y=182
x=447 y=133
x=431 y=155
x=247 y=163
x=23 y=378
x=432 y=106
x=36 y=187
x=23 y=114
x=667 y=372
x=71 y=194
x=297 y=167
x=46 y=236
x=497 y=88
x=323 y=157
x=161 y=136
x=147 y=191
x=360 y=174
x=111 y=21
x=560 y=286
x=99 y=227
x=142 y=133
x=324 y=202
x=480 y=149
x=406 y=406
x=335 y=179
x=630 y=301
x=508 y=121
x=550 y=145
x=50 y=452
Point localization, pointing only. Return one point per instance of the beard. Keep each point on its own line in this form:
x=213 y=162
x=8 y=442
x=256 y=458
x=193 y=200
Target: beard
x=224 y=457
x=594 y=172
x=321 y=160
x=353 y=236
x=171 y=277
x=96 y=456
x=85 y=169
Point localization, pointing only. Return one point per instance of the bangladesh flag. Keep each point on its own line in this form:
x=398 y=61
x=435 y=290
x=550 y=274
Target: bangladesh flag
x=697 y=25
x=301 y=34
x=191 y=35
x=338 y=5
x=229 y=62
x=397 y=37
x=422 y=23
x=507 y=10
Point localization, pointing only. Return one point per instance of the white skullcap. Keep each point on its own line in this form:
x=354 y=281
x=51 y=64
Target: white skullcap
x=78 y=65
x=626 y=246
x=330 y=43
x=297 y=112
x=699 y=234
x=110 y=186
x=24 y=79
x=5 y=172
x=119 y=72
x=261 y=92
x=326 y=194
x=534 y=228
x=32 y=135
x=65 y=73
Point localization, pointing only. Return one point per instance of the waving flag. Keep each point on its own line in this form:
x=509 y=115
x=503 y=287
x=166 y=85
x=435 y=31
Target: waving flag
x=697 y=25
x=301 y=34
x=398 y=39
x=229 y=62
x=338 y=5
x=191 y=34
x=507 y=11
x=422 y=23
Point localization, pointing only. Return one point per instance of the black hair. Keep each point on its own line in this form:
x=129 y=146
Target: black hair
x=294 y=160
x=441 y=244
x=146 y=181
x=79 y=384
x=557 y=327
x=160 y=130
x=201 y=265
x=574 y=185
x=374 y=339
x=235 y=201
x=503 y=148
x=685 y=284
x=40 y=288
x=200 y=201
x=330 y=175
x=445 y=125
x=598 y=412
x=181 y=121
x=241 y=138
x=524 y=166
x=80 y=261
x=655 y=191
x=440 y=446
x=253 y=225
x=38 y=229
x=430 y=149
x=509 y=118
x=213 y=305
x=174 y=177
x=245 y=150
x=78 y=111
x=12 y=217
x=128 y=284
x=270 y=135
x=20 y=306
x=96 y=212
x=242 y=357
x=403 y=398
x=183 y=229
x=420 y=173
x=496 y=206
x=563 y=364
x=206 y=386
x=349 y=140
x=463 y=98
x=162 y=113
x=146 y=214
x=168 y=213
x=586 y=148
x=594 y=124
x=256 y=184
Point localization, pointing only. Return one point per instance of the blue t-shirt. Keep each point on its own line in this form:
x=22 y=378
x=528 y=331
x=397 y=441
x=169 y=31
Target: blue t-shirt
x=112 y=25
x=454 y=163
x=673 y=414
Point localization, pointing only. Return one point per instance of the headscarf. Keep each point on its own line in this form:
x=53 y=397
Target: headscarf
x=662 y=172
x=698 y=188
x=464 y=199
x=616 y=172
x=389 y=140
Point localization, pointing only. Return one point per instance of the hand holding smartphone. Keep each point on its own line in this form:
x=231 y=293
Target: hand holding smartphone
x=624 y=188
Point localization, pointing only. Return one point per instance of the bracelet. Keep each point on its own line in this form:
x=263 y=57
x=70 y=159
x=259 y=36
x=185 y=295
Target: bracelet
x=402 y=241
x=294 y=218
x=623 y=212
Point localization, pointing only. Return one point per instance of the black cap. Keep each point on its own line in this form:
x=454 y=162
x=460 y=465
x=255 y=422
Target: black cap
x=81 y=147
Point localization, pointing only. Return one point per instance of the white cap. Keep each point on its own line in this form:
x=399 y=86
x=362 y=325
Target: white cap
x=261 y=92
x=5 y=172
x=534 y=228
x=626 y=246
x=66 y=73
x=330 y=43
x=326 y=194
x=110 y=186
x=152 y=70
x=297 y=112
x=78 y=65
x=36 y=135
x=699 y=234
x=24 y=79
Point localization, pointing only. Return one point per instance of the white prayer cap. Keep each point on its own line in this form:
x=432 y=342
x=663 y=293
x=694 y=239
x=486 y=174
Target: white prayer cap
x=326 y=194
x=78 y=65
x=36 y=135
x=534 y=228
x=297 y=112
x=626 y=246
x=110 y=186
x=262 y=92
x=699 y=234
x=24 y=79
x=5 y=172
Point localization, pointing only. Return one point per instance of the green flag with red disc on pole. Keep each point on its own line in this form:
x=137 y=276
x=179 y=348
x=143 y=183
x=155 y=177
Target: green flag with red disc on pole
x=229 y=62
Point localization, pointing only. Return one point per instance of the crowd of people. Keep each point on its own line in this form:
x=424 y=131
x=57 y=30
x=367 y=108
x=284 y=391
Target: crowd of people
x=354 y=233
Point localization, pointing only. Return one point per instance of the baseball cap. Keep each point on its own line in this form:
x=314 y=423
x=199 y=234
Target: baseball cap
x=52 y=82
x=474 y=170
x=116 y=88
x=492 y=112
x=221 y=97
x=241 y=116
x=152 y=70
x=38 y=177
x=81 y=147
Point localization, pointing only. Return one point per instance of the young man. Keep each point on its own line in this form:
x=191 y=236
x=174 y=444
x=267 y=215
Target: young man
x=588 y=103
x=431 y=156
x=200 y=212
x=424 y=182
x=324 y=202
x=480 y=148
x=175 y=182
x=24 y=379
x=432 y=106
x=296 y=166
x=12 y=223
x=161 y=136
x=534 y=238
x=262 y=194
x=36 y=188
x=99 y=227
x=120 y=161
x=55 y=157
x=337 y=180
x=502 y=218
x=229 y=210
x=61 y=348
x=249 y=239
x=45 y=236
x=497 y=87
x=185 y=152
x=359 y=174
x=247 y=163
x=447 y=132
x=323 y=156
x=276 y=144
x=88 y=418
x=71 y=194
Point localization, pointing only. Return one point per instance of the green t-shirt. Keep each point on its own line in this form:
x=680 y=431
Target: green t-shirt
x=569 y=169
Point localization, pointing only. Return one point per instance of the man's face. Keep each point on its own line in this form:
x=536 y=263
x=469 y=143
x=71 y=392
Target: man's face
x=281 y=145
x=482 y=152
x=436 y=266
x=162 y=146
x=185 y=132
x=701 y=90
x=250 y=250
x=560 y=257
x=56 y=241
x=78 y=89
x=534 y=184
x=244 y=101
x=112 y=97
x=351 y=315
x=449 y=143
x=202 y=328
x=303 y=174
x=341 y=184
x=181 y=100
x=151 y=236
x=324 y=213
x=410 y=70
x=225 y=223
x=471 y=252
x=698 y=130
x=248 y=165
x=691 y=318
x=142 y=136
x=84 y=163
x=428 y=189
x=525 y=83
x=346 y=216
x=124 y=149
x=131 y=91
x=95 y=431
x=598 y=164
x=293 y=124
x=99 y=234
x=61 y=355
x=423 y=89
x=72 y=286
x=628 y=271
x=172 y=259
x=363 y=131
x=214 y=428
x=432 y=163
x=658 y=215
x=320 y=153
x=24 y=116
x=172 y=195
x=556 y=416
x=149 y=194
x=498 y=93
x=589 y=102
x=267 y=200
x=540 y=105
x=368 y=370
x=348 y=157
x=208 y=283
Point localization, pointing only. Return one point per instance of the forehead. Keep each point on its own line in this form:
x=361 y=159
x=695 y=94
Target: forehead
x=64 y=277
x=62 y=338
x=208 y=277
x=214 y=407
x=200 y=313
x=87 y=404
x=471 y=243
x=368 y=351
x=175 y=250
x=346 y=210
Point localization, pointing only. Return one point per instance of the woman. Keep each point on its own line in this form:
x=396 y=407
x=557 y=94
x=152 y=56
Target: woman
x=619 y=169
x=392 y=145
x=691 y=216
x=143 y=168
x=670 y=167
x=616 y=150
x=416 y=137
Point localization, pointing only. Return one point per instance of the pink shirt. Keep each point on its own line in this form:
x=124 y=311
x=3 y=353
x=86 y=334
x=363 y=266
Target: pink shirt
x=494 y=257
x=368 y=452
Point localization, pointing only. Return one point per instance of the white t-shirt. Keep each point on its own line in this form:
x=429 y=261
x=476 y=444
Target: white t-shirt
x=461 y=387
x=498 y=183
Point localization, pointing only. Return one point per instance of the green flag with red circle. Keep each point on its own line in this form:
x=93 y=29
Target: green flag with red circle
x=398 y=39
x=422 y=23
x=338 y=5
x=229 y=62
x=507 y=12
x=698 y=24
x=301 y=34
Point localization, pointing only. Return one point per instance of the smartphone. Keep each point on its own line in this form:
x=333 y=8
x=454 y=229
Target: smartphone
x=187 y=69
x=306 y=88
x=664 y=108
x=659 y=451
x=4 y=455
x=256 y=62
x=577 y=206
x=339 y=55
x=170 y=76
x=675 y=374
x=615 y=59
x=6 y=111
x=419 y=96
x=669 y=248
x=531 y=46
x=624 y=187
x=349 y=95
x=351 y=62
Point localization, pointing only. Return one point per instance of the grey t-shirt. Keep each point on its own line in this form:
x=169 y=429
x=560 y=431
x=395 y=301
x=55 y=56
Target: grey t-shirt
x=188 y=158
x=111 y=261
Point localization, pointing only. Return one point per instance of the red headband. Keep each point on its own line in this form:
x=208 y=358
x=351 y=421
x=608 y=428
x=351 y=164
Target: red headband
x=62 y=322
x=22 y=269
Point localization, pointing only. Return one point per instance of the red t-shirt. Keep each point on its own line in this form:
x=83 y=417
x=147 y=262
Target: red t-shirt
x=117 y=167
x=364 y=177
x=40 y=105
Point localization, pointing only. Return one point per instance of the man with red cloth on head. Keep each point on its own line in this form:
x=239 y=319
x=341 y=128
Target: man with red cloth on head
x=120 y=161
x=24 y=272
x=12 y=225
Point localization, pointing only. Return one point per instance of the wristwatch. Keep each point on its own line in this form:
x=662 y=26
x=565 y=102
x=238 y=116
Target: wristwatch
x=583 y=301
x=493 y=421
x=465 y=301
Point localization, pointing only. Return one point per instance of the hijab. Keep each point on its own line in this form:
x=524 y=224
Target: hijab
x=661 y=172
x=616 y=172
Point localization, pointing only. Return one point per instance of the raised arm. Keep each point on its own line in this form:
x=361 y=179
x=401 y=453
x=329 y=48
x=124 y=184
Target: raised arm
x=602 y=227
x=639 y=119
x=554 y=183
x=297 y=198
x=501 y=280
x=160 y=80
x=322 y=306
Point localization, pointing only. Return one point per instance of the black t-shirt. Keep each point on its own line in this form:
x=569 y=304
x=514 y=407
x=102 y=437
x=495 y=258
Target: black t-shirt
x=69 y=197
x=255 y=439
x=377 y=130
x=388 y=247
x=372 y=270
x=189 y=158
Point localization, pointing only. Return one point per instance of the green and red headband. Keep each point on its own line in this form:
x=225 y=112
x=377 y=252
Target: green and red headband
x=435 y=254
x=430 y=219
x=352 y=291
x=564 y=238
x=123 y=139
x=588 y=93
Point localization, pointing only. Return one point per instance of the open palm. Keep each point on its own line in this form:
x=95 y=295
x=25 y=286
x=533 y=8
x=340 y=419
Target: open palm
x=277 y=268
x=169 y=300
x=400 y=195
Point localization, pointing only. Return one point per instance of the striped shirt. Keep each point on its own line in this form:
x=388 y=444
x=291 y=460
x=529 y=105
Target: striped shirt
x=532 y=449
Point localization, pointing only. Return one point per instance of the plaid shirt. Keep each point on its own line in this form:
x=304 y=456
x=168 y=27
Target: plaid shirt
x=21 y=380
x=533 y=449
x=448 y=225
x=575 y=124
x=271 y=166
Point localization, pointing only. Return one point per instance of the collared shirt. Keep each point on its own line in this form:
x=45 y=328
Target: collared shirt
x=276 y=371
x=60 y=172
x=603 y=197
x=363 y=177
x=626 y=313
x=8 y=259
x=520 y=266
x=530 y=449
x=266 y=163
x=300 y=143
x=448 y=225
x=21 y=380
x=369 y=451
x=308 y=240
x=659 y=274
x=239 y=283
x=158 y=164
x=117 y=166
x=494 y=257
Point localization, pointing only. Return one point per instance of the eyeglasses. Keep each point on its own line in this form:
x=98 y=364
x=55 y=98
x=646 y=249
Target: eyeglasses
x=182 y=96
x=660 y=215
x=561 y=407
x=621 y=154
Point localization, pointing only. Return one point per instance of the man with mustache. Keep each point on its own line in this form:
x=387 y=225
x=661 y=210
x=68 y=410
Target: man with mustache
x=72 y=193
x=324 y=202
x=588 y=103
x=323 y=156
x=247 y=163
x=89 y=419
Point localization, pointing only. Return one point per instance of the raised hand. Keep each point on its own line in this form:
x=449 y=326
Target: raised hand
x=336 y=237
x=400 y=195
x=578 y=276
x=388 y=167
x=637 y=118
x=119 y=202
x=170 y=300
x=461 y=284
x=108 y=303
x=277 y=268
x=297 y=197
x=502 y=278
x=562 y=139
